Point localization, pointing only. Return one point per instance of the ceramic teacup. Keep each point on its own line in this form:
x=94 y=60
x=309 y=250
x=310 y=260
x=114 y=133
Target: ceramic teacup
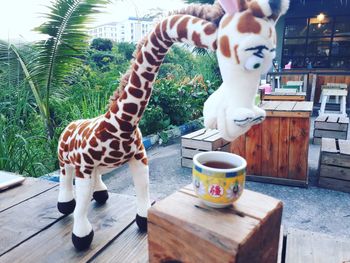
x=218 y=177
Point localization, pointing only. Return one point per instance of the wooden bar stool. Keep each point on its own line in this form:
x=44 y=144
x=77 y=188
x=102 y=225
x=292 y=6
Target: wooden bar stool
x=341 y=93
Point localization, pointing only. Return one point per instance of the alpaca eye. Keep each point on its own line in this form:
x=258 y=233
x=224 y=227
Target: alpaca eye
x=253 y=63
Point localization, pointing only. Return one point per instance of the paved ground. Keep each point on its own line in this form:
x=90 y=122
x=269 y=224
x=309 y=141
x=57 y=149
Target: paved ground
x=313 y=209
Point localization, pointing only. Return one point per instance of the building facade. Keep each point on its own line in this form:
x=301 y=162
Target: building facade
x=131 y=30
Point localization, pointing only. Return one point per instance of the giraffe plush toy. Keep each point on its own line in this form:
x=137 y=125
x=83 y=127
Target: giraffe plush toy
x=243 y=35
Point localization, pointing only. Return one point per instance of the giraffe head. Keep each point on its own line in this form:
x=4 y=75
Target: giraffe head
x=246 y=40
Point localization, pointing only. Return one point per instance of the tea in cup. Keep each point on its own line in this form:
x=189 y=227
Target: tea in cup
x=218 y=177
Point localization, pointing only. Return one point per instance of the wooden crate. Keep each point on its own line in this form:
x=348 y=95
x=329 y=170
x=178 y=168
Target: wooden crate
x=335 y=164
x=182 y=229
x=330 y=126
x=201 y=141
x=277 y=149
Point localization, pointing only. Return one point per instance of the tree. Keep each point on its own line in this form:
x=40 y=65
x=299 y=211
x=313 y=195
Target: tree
x=51 y=60
x=102 y=44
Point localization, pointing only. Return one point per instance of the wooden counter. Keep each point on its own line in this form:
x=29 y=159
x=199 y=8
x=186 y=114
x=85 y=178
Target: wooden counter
x=288 y=96
x=277 y=149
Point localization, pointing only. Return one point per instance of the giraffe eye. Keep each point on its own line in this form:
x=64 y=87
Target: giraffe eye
x=253 y=63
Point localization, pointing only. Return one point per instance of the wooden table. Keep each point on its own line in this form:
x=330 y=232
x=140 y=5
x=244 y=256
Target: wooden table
x=32 y=230
x=277 y=149
x=288 y=96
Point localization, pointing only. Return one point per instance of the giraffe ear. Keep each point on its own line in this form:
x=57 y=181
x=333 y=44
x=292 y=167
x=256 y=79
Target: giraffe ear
x=230 y=6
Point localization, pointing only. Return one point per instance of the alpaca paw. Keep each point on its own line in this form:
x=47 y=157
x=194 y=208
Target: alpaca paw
x=82 y=243
x=66 y=208
x=141 y=223
x=101 y=196
x=243 y=117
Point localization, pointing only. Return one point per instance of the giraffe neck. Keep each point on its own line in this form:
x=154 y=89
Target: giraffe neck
x=178 y=28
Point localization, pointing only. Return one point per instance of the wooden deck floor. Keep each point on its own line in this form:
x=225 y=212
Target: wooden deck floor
x=32 y=230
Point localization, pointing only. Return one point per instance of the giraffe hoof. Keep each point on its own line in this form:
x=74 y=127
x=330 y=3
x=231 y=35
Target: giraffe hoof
x=82 y=243
x=101 y=196
x=66 y=208
x=141 y=223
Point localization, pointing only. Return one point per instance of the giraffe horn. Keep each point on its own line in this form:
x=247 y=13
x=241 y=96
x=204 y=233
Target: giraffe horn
x=233 y=6
x=269 y=8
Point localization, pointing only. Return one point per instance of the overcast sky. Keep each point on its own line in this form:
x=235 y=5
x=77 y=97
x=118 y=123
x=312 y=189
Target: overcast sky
x=18 y=17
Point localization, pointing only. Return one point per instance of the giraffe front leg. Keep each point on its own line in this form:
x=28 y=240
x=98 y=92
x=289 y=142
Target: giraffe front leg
x=140 y=173
x=100 y=190
x=82 y=230
x=66 y=202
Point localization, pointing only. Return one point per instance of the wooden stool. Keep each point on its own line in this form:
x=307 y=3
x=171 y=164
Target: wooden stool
x=335 y=164
x=326 y=93
x=201 y=141
x=182 y=229
x=330 y=126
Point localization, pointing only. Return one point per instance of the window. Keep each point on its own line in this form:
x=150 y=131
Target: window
x=323 y=41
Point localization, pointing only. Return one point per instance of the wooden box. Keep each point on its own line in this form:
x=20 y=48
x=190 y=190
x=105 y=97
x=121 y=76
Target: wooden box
x=182 y=229
x=335 y=164
x=277 y=149
x=330 y=126
x=201 y=141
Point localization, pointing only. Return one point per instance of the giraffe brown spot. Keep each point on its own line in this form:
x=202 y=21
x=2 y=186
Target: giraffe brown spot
x=124 y=95
x=114 y=145
x=182 y=31
x=137 y=93
x=93 y=142
x=108 y=126
x=210 y=29
x=147 y=75
x=62 y=145
x=72 y=126
x=173 y=21
x=78 y=158
x=270 y=32
x=242 y=5
x=86 y=133
x=126 y=117
x=248 y=24
x=125 y=135
x=71 y=145
x=87 y=171
x=63 y=171
x=66 y=136
x=256 y=9
x=215 y=45
x=142 y=109
x=108 y=115
x=154 y=40
x=124 y=125
x=225 y=46
x=139 y=156
x=226 y=21
x=78 y=173
x=140 y=58
x=114 y=107
x=104 y=135
x=130 y=108
x=195 y=20
x=126 y=146
x=196 y=38
x=61 y=164
x=110 y=160
x=144 y=161
x=89 y=167
x=235 y=49
x=129 y=156
x=87 y=159
x=135 y=79
x=116 y=154
x=136 y=67
x=164 y=31
x=82 y=127
x=150 y=59
x=96 y=155
x=274 y=17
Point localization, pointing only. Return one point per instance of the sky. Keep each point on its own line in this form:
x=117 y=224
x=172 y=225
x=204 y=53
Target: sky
x=19 y=17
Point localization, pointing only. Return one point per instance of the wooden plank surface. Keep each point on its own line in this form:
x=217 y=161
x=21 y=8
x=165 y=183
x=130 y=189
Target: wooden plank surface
x=344 y=147
x=283 y=147
x=131 y=247
x=299 y=148
x=269 y=150
x=337 y=172
x=286 y=106
x=304 y=106
x=344 y=120
x=333 y=118
x=193 y=134
x=310 y=247
x=29 y=188
x=330 y=134
x=277 y=180
x=253 y=150
x=329 y=145
x=335 y=184
x=54 y=244
x=270 y=105
x=238 y=146
x=335 y=159
x=186 y=162
x=321 y=118
x=27 y=219
x=335 y=126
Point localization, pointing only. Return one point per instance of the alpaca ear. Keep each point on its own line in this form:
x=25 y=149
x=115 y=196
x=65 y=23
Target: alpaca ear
x=230 y=6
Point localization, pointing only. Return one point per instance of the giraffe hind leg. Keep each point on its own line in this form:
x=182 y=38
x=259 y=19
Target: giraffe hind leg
x=66 y=202
x=100 y=190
